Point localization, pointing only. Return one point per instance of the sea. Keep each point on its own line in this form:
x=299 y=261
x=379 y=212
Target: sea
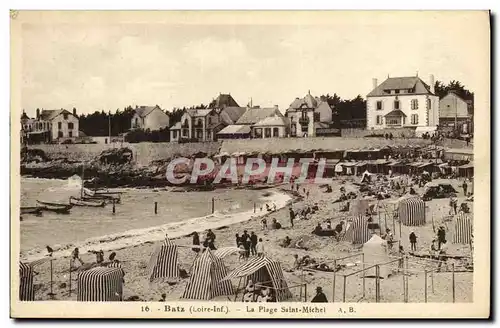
x=134 y=221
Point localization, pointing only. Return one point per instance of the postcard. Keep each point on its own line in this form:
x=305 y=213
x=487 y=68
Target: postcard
x=250 y=164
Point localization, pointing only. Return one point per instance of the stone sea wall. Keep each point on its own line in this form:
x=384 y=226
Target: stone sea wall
x=143 y=153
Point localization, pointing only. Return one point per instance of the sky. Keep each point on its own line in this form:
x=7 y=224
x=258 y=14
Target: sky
x=106 y=65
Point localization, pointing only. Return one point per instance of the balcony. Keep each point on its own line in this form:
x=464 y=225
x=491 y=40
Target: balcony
x=304 y=120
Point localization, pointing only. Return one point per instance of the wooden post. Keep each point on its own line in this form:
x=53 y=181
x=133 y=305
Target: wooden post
x=394 y=226
x=400 y=233
x=432 y=281
x=213 y=205
x=156 y=207
x=433 y=226
x=377 y=281
x=407 y=278
x=363 y=265
x=404 y=282
x=114 y=209
x=69 y=285
x=334 y=279
x=343 y=296
x=51 y=294
x=452 y=280
x=305 y=292
x=425 y=282
x=254 y=207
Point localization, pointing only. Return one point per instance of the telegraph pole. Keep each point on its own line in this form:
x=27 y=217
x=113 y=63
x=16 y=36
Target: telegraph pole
x=109 y=127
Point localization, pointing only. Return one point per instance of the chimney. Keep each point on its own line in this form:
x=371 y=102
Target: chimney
x=276 y=107
x=431 y=82
x=375 y=83
x=38 y=113
x=74 y=111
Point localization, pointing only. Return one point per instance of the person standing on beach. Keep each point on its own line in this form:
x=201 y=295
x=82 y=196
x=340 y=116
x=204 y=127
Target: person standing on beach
x=320 y=297
x=260 y=248
x=307 y=194
x=464 y=186
x=196 y=242
x=441 y=235
x=413 y=241
x=264 y=223
x=297 y=186
x=75 y=255
x=292 y=216
x=210 y=235
x=238 y=240
x=245 y=239
x=253 y=243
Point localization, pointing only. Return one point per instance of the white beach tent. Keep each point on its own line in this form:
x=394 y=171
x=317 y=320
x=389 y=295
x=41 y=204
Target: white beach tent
x=375 y=252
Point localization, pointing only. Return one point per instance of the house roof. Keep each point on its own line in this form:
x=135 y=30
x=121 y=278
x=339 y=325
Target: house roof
x=176 y=126
x=272 y=121
x=254 y=115
x=401 y=83
x=222 y=101
x=144 y=111
x=24 y=116
x=309 y=102
x=230 y=115
x=50 y=114
x=395 y=113
x=235 y=129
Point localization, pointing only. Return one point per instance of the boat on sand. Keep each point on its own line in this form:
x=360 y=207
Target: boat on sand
x=86 y=202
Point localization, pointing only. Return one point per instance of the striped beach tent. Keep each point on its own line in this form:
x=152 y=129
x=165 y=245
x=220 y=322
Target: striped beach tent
x=357 y=231
x=263 y=270
x=411 y=211
x=26 y=288
x=462 y=232
x=226 y=251
x=163 y=262
x=100 y=284
x=206 y=278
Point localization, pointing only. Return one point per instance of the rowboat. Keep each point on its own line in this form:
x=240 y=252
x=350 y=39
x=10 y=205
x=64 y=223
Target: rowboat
x=83 y=202
x=55 y=207
x=58 y=209
x=91 y=195
x=31 y=210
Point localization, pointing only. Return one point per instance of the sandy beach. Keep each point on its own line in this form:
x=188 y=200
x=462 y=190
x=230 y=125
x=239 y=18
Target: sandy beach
x=136 y=251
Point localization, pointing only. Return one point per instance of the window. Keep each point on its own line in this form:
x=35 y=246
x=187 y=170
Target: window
x=184 y=132
x=414 y=119
x=65 y=115
x=379 y=105
x=396 y=91
x=174 y=135
x=59 y=125
x=393 y=121
x=276 y=132
x=136 y=122
x=199 y=123
x=396 y=104
x=414 y=104
x=70 y=133
x=258 y=132
x=268 y=132
x=70 y=126
x=199 y=134
x=429 y=104
x=210 y=120
x=59 y=134
x=379 y=120
x=316 y=117
x=209 y=135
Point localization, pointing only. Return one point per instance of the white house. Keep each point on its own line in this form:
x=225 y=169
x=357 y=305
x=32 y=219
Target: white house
x=50 y=125
x=149 y=117
x=402 y=102
x=309 y=116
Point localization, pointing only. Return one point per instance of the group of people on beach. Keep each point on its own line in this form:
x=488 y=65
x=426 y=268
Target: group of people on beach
x=209 y=241
x=249 y=244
